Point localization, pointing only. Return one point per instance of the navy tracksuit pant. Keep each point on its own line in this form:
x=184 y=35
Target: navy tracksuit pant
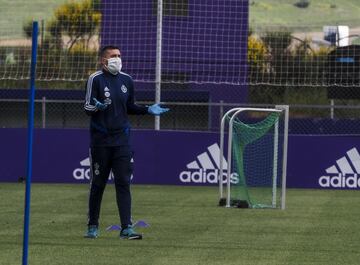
x=103 y=160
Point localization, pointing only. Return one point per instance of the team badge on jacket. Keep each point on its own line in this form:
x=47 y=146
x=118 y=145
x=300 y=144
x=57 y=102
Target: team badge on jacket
x=124 y=88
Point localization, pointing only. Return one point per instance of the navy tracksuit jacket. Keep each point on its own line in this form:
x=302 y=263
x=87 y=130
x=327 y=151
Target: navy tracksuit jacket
x=110 y=148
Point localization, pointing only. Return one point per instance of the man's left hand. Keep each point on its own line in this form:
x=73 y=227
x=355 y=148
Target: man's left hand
x=156 y=109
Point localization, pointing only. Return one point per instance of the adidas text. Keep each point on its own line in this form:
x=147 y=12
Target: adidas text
x=84 y=173
x=81 y=173
x=340 y=181
x=203 y=176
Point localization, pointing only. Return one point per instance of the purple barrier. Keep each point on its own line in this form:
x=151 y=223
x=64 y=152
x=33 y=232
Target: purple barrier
x=324 y=162
x=189 y=45
x=176 y=158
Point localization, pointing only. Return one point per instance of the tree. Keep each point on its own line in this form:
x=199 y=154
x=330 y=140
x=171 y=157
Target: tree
x=278 y=47
x=27 y=28
x=75 y=22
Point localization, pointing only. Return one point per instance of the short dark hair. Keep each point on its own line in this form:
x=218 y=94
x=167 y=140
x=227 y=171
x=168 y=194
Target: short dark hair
x=107 y=47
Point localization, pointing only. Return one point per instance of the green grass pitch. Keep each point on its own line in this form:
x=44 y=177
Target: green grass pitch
x=318 y=227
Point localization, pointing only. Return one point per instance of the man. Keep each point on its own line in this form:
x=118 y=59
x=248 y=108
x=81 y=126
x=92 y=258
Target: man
x=109 y=100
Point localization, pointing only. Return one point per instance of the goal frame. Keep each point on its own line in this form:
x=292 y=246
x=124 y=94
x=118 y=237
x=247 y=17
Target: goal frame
x=231 y=115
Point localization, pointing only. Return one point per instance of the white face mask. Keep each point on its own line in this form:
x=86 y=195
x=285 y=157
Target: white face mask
x=114 y=65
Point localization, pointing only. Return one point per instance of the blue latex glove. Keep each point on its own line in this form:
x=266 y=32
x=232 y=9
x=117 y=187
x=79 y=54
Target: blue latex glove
x=156 y=109
x=99 y=105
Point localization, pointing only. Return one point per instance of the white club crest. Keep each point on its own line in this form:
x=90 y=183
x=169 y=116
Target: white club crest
x=123 y=89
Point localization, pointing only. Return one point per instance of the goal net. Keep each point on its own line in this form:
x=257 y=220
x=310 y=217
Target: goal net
x=256 y=155
x=198 y=42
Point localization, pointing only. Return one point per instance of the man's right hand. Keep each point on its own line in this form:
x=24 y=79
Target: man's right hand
x=99 y=105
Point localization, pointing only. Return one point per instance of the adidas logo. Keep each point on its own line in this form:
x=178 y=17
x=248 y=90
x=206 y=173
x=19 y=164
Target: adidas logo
x=205 y=169
x=345 y=173
x=83 y=172
x=106 y=89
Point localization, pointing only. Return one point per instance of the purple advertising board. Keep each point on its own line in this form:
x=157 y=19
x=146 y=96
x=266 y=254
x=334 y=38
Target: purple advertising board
x=176 y=158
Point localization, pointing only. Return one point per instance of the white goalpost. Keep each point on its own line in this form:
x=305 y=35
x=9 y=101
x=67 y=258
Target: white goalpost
x=258 y=179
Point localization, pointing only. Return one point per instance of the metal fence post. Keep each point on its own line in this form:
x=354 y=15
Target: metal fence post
x=158 y=59
x=221 y=109
x=332 y=104
x=43 y=112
